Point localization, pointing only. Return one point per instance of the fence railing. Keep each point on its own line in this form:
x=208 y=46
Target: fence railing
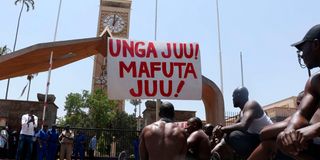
x=231 y=117
x=276 y=114
x=110 y=142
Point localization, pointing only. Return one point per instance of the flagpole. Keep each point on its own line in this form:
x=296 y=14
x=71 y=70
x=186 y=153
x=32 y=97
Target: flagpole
x=158 y=102
x=219 y=43
x=50 y=67
x=7 y=90
x=241 y=69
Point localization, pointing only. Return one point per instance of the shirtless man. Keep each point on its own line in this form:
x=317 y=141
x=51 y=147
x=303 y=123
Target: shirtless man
x=198 y=141
x=243 y=136
x=208 y=128
x=299 y=139
x=164 y=139
x=268 y=135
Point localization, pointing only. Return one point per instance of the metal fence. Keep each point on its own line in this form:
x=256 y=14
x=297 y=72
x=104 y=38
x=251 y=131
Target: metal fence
x=231 y=117
x=276 y=114
x=110 y=142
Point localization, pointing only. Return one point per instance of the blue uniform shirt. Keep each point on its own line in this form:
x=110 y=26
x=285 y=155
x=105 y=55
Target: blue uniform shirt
x=43 y=136
x=53 y=136
x=78 y=139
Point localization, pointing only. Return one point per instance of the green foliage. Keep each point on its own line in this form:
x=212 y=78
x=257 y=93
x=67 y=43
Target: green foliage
x=75 y=106
x=95 y=110
x=4 y=50
x=101 y=145
x=27 y=3
x=75 y=103
x=61 y=121
x=101 y=109
x=124 y=121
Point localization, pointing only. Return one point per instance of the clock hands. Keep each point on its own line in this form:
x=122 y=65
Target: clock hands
x=114 y=22
x=115 y=19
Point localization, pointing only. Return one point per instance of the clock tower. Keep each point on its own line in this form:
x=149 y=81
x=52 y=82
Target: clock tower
x=115 y=15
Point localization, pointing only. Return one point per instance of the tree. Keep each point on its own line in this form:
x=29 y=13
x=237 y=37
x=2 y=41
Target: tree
x=29 y=78
x=26 y=3
x=75 y=106
x=61 y=121
x=4 y=50
x=101 y=145
x=95 y=110
x=122 y=120
x=101 y=109
x=135 y=102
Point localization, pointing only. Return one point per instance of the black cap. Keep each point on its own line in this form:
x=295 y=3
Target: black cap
x=313 y=33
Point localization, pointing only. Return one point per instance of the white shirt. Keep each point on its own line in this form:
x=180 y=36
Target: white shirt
x=28 y=128
x=258 y=124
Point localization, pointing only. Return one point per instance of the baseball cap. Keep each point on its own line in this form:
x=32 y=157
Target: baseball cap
x=312 y=34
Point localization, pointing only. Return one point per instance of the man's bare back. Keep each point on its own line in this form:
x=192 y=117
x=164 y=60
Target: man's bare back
x=199 y=146
x=163 y=141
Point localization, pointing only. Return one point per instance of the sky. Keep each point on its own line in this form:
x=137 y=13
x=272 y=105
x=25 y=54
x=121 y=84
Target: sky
x=262 y=30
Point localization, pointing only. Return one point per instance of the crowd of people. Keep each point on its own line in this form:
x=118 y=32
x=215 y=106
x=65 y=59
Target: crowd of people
x=254 y=136
x=198 y=142
x=6 y=138
x=45 y=143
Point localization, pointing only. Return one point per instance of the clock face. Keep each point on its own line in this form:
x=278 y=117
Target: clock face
x=114 y=22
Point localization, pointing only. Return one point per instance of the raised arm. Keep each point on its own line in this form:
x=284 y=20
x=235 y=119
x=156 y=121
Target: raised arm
x=308 y=105
x=24 y=120
x=35 y=122
x=288 y=140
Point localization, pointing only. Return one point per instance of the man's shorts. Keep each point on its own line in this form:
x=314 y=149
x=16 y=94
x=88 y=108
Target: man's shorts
x=243 y=143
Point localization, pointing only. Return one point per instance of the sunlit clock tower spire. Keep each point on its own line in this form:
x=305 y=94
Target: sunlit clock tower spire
x=114 y=14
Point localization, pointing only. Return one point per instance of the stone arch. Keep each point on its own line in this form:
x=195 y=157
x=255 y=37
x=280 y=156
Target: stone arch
x=213 y=102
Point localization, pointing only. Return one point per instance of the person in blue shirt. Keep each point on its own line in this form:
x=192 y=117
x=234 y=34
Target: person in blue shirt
x=92 y=146
x=79 y=142
x=53 y=142
x=42 y=146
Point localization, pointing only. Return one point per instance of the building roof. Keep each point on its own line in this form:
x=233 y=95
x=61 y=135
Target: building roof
x=290 y=101
x=35 y=58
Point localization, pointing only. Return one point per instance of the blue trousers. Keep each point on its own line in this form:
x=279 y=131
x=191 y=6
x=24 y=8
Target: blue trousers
x=42 y=152
x=78 y=151
x=52 y=151
x=25 y=140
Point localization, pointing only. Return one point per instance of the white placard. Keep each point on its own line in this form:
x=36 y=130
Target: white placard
x=153 y=70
